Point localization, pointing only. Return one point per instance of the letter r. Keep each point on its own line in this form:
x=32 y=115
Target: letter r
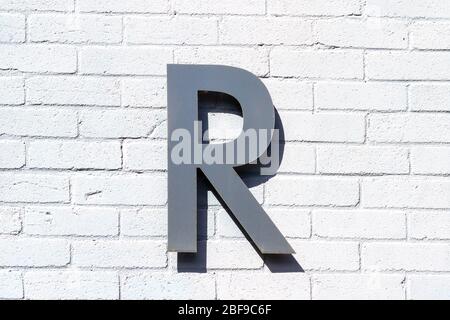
x=184 y=83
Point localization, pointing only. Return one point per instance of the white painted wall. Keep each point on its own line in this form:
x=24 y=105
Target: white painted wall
x=363 y=194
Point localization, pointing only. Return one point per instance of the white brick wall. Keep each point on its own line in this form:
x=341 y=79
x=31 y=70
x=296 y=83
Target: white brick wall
x=363 y=192
x=77 y=28
x=358 y=286
x=12 y=90
x=73 y=90
x=71 y=285
x=10 y=220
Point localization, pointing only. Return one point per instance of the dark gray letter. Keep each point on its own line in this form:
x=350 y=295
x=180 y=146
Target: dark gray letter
x=184 y=83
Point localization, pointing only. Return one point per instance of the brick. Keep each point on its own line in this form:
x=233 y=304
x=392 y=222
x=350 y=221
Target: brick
x=73 y=90
x=19 y=187
x=143 y=222
x=291 y=223
x=429 y=225
x=405 y=193
x=145 y=155
x=12 y=90
x=119 y=253
x=367 y=224
x=429 y=287
x=397 y=65
x=298 y=158
x=100 y=189
x=171 y=30
x=358 y=287
x=430 y=160
x=285 y=286
x=66 y=221
x=37 y=5
x=10 y=220
x=290 y=93
x=392 y=256
x=254 y=60
x=362 y=160
x=13 y=27
x=148 y=93
x=307 y=191
x=408 y=8
x=372 y=33
x=74 y=28
x=38 y=122
x=327 y=64
x=119 y=123
x=153 y=223
x=158 y=286
x=28 y=252
x=130 y=6
x=57 y=154
x=71 y=285
x=12 y=155
x=323 y=127
x=412 y=127
x=232 y=254
x=325 y=256
x=270 y=31
x=11 y=285
x=314 y=7
x=38 y=58
x=430 y=35
x=360 y=96
x=124 y=60
x=432 y=97
x=240 y=7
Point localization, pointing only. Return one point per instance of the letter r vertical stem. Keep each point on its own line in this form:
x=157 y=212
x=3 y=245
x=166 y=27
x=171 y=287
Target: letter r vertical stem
x=182 y=179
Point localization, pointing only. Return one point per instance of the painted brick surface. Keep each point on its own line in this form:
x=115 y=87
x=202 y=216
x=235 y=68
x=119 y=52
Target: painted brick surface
x=429 y=287
x=398 y=256
x=73 y=154
x=71 y=285
x=77 y=29
x=369 y=224
x=11 y=286
x=30 y=252
x=13 y=154
x=13 y=27
x=277 y=286
x=429 y=97
x=10 y=220
x=358 y=286
x=38 y=58
x=72 y=90
x=360 y=96
x=66 y=221
x=119 y=253
x=12 y=90
x=168 y=286
x=362 y=91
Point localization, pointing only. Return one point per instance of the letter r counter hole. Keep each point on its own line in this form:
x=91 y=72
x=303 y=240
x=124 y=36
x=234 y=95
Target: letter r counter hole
x=220 y=115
